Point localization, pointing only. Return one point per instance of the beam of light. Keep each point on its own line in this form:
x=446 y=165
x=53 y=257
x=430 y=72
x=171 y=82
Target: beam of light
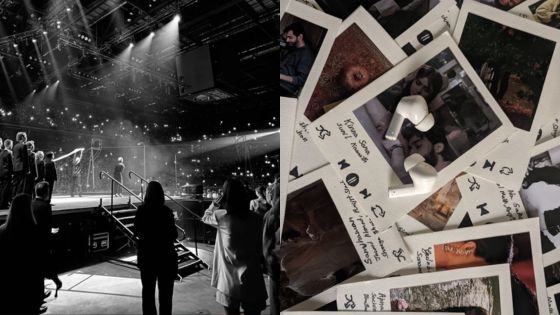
x=25 y=73
x=51 y=91
x=7 y=78
x=81 y=150
x=125 y=55
x=41 y=62
x=29 y=97
x=166 y=40
x=270 y=140
x=83 y=17
x=53 y=60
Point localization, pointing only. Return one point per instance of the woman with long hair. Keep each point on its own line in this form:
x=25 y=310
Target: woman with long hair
x=237 y=273
x=22 y=289
x=155 y=227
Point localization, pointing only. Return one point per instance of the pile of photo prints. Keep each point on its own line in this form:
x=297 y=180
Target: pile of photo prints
x=420 y=146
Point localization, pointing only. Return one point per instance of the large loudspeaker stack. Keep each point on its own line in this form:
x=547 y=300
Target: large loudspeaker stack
x=198 y=73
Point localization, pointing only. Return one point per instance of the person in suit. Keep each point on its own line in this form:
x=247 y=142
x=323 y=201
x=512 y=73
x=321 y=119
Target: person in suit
x=32 y=176
x=20 y=159
x=22 y=289
x=157 y=259
x=42 y=211
x=237 y=274
x=50 y=172
x=6 y=171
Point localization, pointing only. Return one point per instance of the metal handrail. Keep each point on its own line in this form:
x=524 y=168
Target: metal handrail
x=142 y=179
x=113 y=180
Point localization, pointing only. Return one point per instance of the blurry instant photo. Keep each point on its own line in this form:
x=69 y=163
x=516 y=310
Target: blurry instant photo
x=514 y=243
x=361 y=52
x=468 y=123
x=476 y=290
x=396 y=17
x=313 y=234
x=306 y=37
x=502 y=49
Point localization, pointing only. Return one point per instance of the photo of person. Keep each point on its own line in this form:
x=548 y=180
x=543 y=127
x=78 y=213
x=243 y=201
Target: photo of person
x=539 y=192
x=353 y=62
x=469 y=296
x=462 y=117
x=509 y=65
x=300 y=41
x=435 y=211
x=316 y=252
x=546 y=12
x=512 y=249
x=395 y=16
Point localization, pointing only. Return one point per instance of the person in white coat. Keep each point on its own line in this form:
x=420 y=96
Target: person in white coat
x=237 y=272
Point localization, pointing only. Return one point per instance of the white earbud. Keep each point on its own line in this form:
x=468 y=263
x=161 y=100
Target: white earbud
x=423 y=177
x=415 y=109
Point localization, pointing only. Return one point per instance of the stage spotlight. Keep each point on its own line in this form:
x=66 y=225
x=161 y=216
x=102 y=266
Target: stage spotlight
x=44 y=32
x=34 y=40
x=57 y=81
x=131 y=45
x=152 y=33
x=177 y=18
x=67 y=9
x=15 y=45
x=47 y=86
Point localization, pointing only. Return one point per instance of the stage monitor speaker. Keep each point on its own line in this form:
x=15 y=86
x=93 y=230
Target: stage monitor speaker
x=194 y=71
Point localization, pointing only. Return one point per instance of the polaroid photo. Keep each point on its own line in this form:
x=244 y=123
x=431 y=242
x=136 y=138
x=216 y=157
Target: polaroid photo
x=442 y=19
x=380 y=253
x=554 y=299
x=489 y=202
x=516 y=243
x=326 y=239
x=539 y=191
x=475 y=290
x=541 y=11
x=397 y=17
x=501 y=48
x=306 y=38
x=468 y=123
x=288 y=110
x=361 y=52
x=511 y=6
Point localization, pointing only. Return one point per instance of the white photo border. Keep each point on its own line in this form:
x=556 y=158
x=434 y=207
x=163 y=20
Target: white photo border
x=334 y=147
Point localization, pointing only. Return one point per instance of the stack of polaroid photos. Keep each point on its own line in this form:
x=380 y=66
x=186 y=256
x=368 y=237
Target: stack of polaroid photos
x=361 y=230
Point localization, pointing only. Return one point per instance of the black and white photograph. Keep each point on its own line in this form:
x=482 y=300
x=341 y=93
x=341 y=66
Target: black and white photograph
x=539 y=191
x=139 y=157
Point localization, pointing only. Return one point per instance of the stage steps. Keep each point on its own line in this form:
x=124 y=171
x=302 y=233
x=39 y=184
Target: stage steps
x=122 y=217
